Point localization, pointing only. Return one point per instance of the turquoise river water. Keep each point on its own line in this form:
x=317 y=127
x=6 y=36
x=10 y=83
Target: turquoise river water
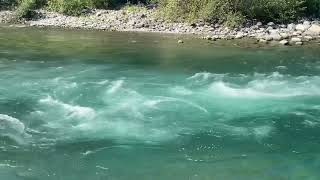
x=86 y=105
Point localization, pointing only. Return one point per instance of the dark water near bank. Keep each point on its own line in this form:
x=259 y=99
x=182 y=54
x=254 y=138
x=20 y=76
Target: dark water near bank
x=80 y=105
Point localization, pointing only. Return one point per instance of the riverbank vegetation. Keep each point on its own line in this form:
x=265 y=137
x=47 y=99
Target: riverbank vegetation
x=230 y=12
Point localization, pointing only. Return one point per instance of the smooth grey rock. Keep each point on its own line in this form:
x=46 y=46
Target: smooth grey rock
x=306 y=23
x=239 y=35
x=302 y=27
x=314 y=30
x=269 y=28
x=296 y=39
x=98 y=14
x=283 y=26
x=268 y=38
x=262 y=41
x=284 y=35
x=180 y=41
x=284 y=42
x=308 y=38
x=271 y=24
x=299 y=43
x=296 y=33
x=291 y=27
x=275 y=36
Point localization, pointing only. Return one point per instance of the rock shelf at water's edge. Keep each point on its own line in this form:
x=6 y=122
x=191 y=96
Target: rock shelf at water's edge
x=147 y=21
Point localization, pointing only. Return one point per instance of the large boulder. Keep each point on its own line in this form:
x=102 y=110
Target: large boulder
x=302 y=27
x=314 y=30
x=274 y=35
x=291 y=27
x=284 y=35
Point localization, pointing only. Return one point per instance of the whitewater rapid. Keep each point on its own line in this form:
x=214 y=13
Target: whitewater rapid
x=76 y=106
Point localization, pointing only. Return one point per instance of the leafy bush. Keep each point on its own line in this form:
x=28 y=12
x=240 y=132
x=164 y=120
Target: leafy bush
x=274 y=10
x=7 y=4
x=25 y=8
x=75 y=7
x=133 y=8
x=232 y=12
x=69 y=7
x=313 y=8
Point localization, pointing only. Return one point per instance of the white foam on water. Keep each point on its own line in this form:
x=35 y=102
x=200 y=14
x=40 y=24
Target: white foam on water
x=128 y=111
x=310 y=123
x=180 y=90
x=152 y=103
x=13 y=128
x=115 y=86
x=8 y=165
x=261 y=132
x=282 y=67
x=275 y=85
x=203 y=77
x=103 y=82
x=70 y=111
x=190 y=103
x=101 y=167
x=258 y=132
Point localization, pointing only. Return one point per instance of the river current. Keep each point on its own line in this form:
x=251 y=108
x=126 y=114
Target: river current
x=79 y=105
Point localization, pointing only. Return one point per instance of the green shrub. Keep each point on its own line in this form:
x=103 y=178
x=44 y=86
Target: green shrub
x=275 y=10
x=313 y=8
x=7 y=4
x=69 y=7
x=133 y=8
x=232 y=12
x=75 y=7
x=25 y=8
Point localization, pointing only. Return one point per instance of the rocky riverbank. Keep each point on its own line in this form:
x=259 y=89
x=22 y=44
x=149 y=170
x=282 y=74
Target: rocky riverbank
x=146 y=20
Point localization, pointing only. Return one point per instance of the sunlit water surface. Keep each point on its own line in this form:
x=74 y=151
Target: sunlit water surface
x=80 y=105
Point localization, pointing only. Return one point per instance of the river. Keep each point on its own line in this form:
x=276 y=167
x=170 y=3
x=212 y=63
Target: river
x=80 y=105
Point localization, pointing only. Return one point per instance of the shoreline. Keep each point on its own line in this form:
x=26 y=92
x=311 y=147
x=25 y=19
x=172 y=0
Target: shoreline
x=147 y=21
